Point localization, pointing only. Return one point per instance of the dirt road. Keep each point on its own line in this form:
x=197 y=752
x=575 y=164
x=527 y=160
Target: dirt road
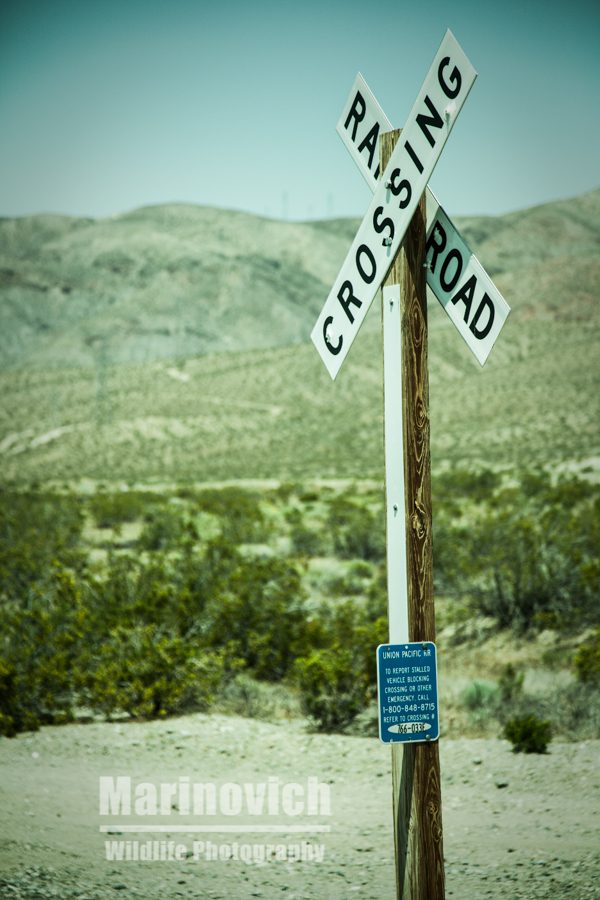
x=515 y=826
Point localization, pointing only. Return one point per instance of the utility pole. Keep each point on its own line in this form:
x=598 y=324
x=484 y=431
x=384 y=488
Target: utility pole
x=390 y=249
x=417 y=808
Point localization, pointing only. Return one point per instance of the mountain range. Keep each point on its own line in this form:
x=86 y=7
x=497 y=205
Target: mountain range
x=171 y=343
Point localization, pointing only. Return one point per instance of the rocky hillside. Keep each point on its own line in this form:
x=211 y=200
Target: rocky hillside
x=171 y=343
x=181 y=281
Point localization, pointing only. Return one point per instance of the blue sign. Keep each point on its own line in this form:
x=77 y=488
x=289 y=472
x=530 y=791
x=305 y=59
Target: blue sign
x=408 y=692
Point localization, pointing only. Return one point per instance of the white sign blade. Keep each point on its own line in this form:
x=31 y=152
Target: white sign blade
x=362 y=118
x=361 y=123
x=359 y=126
x=458 y=269
x=381 y=232
x=463 y=287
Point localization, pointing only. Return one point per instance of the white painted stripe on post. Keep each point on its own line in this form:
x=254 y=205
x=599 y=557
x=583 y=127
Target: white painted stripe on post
x=394 y=467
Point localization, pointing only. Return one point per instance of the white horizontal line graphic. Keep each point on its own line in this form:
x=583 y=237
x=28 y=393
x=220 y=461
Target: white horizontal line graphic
x=116 y=827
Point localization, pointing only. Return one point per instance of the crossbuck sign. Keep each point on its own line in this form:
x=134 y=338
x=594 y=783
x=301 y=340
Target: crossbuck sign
x=407 y=687
x=455 y=275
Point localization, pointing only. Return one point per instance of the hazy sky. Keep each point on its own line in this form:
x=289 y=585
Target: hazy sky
x=108 y=106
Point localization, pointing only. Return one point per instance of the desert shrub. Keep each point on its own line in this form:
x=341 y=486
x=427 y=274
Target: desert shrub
x=168 y=590
x=530 y=558
x=117 y=640
x=115 y=593
x=528 y=734
x=307 y=541
x=587 y=659
x=456 y=487
x=184 y=492
x=449 y=575
x=146 y=672
x=479 y=695
x=353 y=624
x=244 y=695
x=243 y=521
x=260 y=616
x=360 y=569
x=309 y=496
x=204 y=575
x=333 y=687
x=355 y=580
x=516 y=585
x=573 y=709
x=510 y=684
x=285 y=490
x=36 y=529
x=14 y=715
x=42 y=641
x=356 y=532
x=166 y=527
x=110 y=510
x=377 y=594
x=480 y=698
x=136 y=634
x=338 y=677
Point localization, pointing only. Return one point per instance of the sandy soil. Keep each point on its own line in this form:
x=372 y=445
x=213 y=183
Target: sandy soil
x=515 y=826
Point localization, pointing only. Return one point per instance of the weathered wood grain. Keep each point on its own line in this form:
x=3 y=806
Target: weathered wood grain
x=415 y=767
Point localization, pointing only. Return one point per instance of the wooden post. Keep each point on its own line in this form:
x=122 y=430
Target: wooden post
x=417 y=807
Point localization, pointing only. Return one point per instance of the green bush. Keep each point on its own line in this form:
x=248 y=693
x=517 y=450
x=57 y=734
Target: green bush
x=285 y=490
x=36 y=530
x=244 y=695
x=480 y=699
x=167 y=589
x=458 y=487
x=146 y=673
x=167 y=527
x=333 y=687
x=243 y=521
x=15 y=716
x=110 y=510
x=529 y=557
x=165 y=630
x=528 y=734
x=260 y=616
x=338 y=678
x=307 y=541
x=148 y=635
x=357 y=533
x=353 y=581
x=480 y=695
x=587 y=659
x=43 y=642
x=510 y=685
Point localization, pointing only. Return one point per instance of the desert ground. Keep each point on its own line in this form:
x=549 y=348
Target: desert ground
x=515 y=825
x=146 y=355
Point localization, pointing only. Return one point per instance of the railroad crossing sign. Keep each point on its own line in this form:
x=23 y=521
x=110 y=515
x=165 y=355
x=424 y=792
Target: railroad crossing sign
x=454 y=274
x=479 y=311
x=394 y=202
